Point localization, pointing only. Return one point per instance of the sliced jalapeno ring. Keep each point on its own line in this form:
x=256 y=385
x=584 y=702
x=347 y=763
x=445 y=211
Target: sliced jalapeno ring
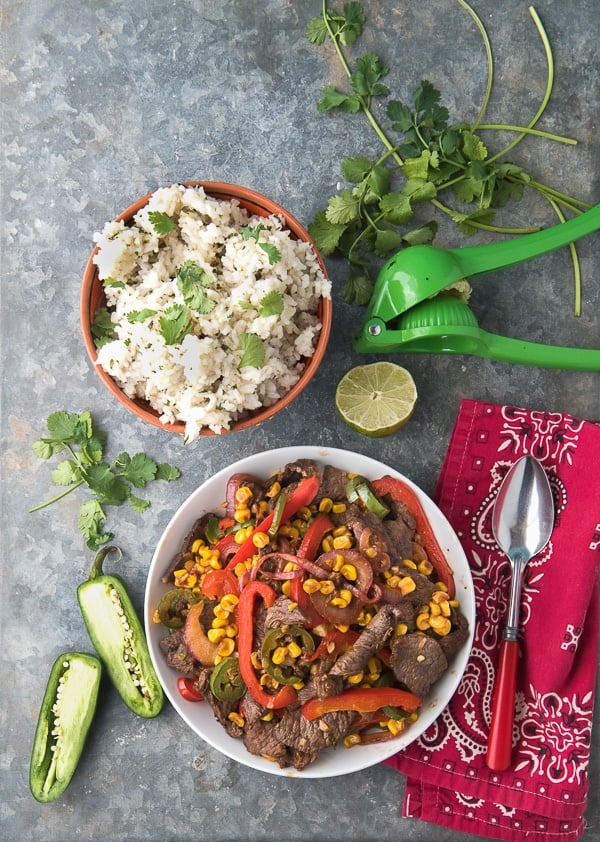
x=359 y=490
x=174 y=606
x=276 y=643
x=226 y=682
x=277 y=514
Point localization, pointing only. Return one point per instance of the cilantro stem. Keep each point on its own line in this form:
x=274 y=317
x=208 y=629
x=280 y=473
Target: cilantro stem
x=523 y=130
x=363 y=103
x=62 y=494
x=489 y=57
x=547 y=92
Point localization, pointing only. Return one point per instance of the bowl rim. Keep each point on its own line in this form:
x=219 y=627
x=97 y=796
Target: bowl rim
x=256 y=203
x=193 y=507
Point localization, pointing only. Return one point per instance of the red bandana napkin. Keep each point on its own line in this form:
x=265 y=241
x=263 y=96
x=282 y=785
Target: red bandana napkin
x=542 y=795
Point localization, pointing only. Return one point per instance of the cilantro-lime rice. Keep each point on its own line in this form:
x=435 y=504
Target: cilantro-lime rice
x=212 y=311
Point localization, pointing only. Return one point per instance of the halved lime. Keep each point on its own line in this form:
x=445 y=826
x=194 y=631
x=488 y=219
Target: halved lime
x=376 y=399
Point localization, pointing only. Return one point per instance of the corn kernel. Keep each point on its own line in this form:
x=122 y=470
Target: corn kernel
x=262 y=507
x=401 y=629
x=408 y=562
x=311 y=586
x=422 y=622
x=395 y=726
x=406 y=585
x=327 y=587
x=434 y=609
x=338 y=508
x=294 y=651
x=342 y=542
x=374 y=665
x=256 y=661
x=239 y=569
x=236 y=718
x=338 y=562
x=229 y=601
x=279 y=655
x=231 y=630
x=441 y=587
x=260 y=540
x=351 y=740
x=198 y=543
x=298 y=685
x=440 y=625
x=183 y=579
x=219 y=623
x=342 y=627
x=155 y=616
x=356 y=678
x=242 y=514
x=215 y=635
x=286 y=588
x=340 y=530
x=325 y=504
x=305 y=513
x=425 y=567
x=327 y=544
x=243 y=494
x=370 y=552
x=226 y=647
x=268 y=716
x=349 y=572
x=274 y=490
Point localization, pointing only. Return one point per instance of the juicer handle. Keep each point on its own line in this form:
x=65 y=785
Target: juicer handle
x=533 y=353
x=499 y=746
x=477 y=260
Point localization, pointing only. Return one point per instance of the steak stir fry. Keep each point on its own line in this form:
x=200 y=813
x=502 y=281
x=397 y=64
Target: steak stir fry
x=316 y=609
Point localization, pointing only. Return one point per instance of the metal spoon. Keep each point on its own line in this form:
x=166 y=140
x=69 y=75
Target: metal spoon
x=522 y=522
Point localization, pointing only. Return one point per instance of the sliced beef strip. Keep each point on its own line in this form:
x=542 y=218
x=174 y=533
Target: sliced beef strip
x=177 y=654
x=395 y=535
x=418 y=662
x=306 y=735
x=284 y=612
x=373 y=637
x=454 y=641
x=333 y=484
x=293 y=472
x=259 y=739
x=220 y=709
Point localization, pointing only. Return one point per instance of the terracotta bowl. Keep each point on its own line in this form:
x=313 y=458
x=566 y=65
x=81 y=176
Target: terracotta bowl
x=92 y=297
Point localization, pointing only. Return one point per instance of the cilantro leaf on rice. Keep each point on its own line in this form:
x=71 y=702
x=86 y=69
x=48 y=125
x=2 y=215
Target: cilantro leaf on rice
x=175 y=323
x=161 y=222
x=253 y=352
x=191 y=280
x=271 y=304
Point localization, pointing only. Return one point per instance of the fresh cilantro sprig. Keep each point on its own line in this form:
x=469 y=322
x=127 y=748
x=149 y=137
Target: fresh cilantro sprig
x=192 y=281
x=425 y=156
x=110 y=483
x=161 y=222
x=253 y=233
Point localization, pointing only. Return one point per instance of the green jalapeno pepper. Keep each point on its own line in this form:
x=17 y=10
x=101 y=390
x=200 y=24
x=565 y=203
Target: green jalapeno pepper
x=359 y=490
x=226 y=682
x=64 y=720
x=174 y=605
x=278 y=641
x=117 y=634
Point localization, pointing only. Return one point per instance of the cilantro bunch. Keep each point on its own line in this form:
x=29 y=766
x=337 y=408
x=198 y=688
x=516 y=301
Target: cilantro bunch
x=424 y=155
x=110 y=483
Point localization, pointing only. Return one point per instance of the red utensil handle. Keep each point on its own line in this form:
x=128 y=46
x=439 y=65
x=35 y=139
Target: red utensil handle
x=499 y=747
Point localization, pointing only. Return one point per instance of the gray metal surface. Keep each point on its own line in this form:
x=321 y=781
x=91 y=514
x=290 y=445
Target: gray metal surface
x=104 y=101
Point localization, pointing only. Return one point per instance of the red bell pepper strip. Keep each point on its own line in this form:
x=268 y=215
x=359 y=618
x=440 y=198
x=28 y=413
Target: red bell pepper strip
x=217 y=583
x=311 y=541
x=301 y=496
x=286 y=693
x=362 y=700
x=334 y=642
x=403 y=493
x=187 y=690
x=309 y=548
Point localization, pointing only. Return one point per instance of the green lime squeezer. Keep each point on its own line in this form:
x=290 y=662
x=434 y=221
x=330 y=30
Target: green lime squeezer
x=409 y=312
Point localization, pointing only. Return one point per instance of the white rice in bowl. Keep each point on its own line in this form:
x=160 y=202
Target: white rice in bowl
x=213 y=311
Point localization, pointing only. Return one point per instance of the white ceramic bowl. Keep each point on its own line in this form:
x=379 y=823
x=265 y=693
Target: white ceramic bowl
x=199 y=717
